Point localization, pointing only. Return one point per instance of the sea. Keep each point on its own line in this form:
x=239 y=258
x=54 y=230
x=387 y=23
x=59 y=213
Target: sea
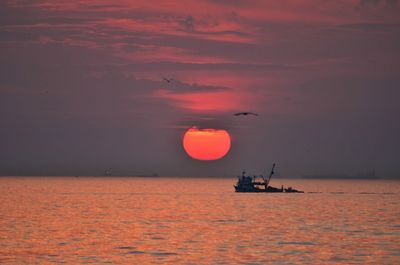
x=137 y=220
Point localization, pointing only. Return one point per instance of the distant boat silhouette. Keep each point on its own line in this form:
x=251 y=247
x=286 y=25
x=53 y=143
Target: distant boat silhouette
x=168 y=80
x=361 y=175
x=245 y=113
x=108 y=172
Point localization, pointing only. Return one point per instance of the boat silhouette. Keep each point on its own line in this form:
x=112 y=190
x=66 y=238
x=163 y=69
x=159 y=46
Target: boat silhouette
x=260 y=184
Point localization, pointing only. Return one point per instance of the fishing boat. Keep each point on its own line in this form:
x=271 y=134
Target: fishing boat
x=260 y=184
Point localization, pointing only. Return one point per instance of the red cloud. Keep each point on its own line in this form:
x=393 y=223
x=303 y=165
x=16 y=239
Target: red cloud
x=211 y=101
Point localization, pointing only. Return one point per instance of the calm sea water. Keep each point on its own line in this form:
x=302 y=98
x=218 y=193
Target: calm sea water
x=196 y=221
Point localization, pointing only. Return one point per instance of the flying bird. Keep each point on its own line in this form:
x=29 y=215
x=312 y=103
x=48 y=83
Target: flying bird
x=168 y=80
x=245 y=113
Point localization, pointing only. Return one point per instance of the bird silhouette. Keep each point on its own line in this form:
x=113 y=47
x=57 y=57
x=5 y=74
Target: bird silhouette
x=245 y=113
x=168 y=80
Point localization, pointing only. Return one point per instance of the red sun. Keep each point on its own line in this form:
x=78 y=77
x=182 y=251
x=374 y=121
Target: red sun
x=206 y=144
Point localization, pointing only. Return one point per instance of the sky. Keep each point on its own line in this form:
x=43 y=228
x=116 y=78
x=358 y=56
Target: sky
x=82 y=89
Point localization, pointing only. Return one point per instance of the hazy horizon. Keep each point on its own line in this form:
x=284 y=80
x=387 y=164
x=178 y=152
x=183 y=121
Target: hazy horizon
x=231 y=176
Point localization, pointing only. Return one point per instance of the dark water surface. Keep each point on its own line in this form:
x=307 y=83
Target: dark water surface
x=196 y=221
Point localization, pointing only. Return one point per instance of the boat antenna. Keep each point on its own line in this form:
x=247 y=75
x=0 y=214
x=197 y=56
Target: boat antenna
x=270 y=174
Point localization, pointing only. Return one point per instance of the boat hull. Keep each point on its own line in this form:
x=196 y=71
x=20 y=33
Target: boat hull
x=269 y=189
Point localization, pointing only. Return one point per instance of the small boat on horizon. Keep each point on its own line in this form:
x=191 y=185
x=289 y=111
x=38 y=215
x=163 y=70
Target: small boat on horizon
x=260 y=184
x=108 y=172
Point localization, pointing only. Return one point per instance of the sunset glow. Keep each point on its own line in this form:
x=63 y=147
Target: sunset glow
x=206 y=144
x=200 y=132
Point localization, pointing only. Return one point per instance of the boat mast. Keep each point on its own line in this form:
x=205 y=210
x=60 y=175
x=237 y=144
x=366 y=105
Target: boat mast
x=270 y=175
